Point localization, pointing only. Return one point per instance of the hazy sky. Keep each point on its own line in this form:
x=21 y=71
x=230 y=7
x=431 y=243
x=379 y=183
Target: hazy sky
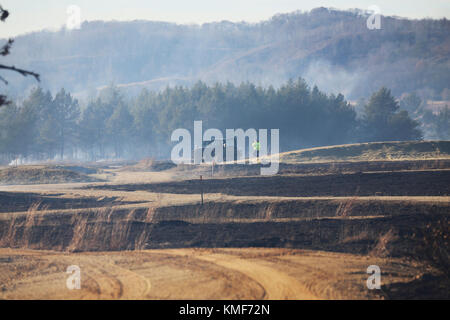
x=29 y=15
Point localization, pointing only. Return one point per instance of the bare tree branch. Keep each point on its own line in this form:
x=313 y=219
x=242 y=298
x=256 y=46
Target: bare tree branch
x=4 y=100
x=3 y=14
x=4 y=80
x=4 y=51
x=21 y=71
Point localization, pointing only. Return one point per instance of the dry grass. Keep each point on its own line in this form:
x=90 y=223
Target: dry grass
x=90 y=230
x=435 y=244
x=381 y=249
x=395 y=150
x=149 y=164
x=33 y=217
x=41 y=175
x=345 y=207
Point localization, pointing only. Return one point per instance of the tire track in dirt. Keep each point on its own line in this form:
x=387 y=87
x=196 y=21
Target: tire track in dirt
x=277 y=285
x=114 y=282
x=110 y=287
x=194 y=273
x=101 y=278
x=214 y=281
x=322 y=279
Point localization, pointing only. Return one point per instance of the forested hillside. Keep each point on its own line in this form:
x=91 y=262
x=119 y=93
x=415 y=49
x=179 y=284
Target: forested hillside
x=333 y=49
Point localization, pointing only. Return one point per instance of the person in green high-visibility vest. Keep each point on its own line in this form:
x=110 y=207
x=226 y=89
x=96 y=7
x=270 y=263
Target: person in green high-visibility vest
x=256 y=146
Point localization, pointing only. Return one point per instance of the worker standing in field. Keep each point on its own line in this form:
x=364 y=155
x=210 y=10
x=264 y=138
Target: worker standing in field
x=256 y=146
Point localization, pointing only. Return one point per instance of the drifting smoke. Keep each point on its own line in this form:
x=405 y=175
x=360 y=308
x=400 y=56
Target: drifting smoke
x=333 y=79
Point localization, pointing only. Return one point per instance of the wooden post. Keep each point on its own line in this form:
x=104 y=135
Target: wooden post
x=201 y=187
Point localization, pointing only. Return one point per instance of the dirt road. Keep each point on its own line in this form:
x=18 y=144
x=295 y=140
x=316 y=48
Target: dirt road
x=252 y=273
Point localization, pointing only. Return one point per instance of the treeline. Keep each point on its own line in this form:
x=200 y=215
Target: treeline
x=44 y=126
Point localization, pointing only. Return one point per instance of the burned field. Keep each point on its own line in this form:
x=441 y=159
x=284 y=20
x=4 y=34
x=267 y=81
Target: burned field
x=386 y=209
x=344 y=211
x=22 y=202
x=403 y=183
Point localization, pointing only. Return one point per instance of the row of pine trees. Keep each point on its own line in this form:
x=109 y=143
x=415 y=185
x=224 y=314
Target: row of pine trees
x=46 y=126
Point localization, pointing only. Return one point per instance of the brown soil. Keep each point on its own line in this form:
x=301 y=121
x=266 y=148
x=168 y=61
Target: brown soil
x=204 y=274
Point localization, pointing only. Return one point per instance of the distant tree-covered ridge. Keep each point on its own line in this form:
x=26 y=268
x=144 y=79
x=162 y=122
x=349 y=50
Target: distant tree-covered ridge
x=110 y=126
x=329 y=48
